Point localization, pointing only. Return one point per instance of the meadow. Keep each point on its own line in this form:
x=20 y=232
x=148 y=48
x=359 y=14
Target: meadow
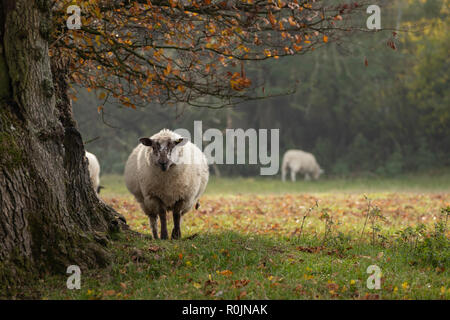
x=257 y=238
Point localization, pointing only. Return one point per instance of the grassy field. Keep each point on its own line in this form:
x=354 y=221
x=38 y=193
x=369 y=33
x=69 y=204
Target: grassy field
x=438 y=181
x=263 y=239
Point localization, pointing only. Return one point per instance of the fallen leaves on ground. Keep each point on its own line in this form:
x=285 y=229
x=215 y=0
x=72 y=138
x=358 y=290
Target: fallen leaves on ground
x=283 y=214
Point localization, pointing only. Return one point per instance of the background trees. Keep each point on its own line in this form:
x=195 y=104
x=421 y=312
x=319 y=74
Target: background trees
x=388 y=117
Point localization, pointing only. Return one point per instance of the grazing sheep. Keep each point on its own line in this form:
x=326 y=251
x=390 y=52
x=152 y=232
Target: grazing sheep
x=302 y=162
x=166 y=172
x=94 y=171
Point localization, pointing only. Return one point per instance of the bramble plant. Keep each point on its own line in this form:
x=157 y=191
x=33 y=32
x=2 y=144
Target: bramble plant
x=305 y=216
x=375 y=216
x=428 y=246
x=325 y=215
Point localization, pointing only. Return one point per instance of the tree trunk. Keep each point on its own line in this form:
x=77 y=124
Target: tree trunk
x=50 y=216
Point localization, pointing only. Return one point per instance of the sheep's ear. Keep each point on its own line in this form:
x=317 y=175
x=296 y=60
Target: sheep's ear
x=146 y=141
x=181 y=141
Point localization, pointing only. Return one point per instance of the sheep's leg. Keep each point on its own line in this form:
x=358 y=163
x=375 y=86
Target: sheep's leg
x=293 y=175
x=307 y=177
x=152 y=207
x=162 y=220
x=176 y=232
x=153 y=221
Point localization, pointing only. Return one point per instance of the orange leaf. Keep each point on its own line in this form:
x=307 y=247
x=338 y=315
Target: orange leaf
x=225 y=272
x=272 y=19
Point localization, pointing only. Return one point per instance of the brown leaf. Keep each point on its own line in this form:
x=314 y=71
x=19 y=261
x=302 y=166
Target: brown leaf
x=332 y=286
x=391 y=44
x=242 y=295
x=154 y=248
x=240 y=283
x=210 y=283
x=371 y=296
x=311 y=249
x=108 y=293
x=271 y=19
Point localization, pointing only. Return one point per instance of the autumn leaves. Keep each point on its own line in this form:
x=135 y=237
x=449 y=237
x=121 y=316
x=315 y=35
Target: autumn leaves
x=146 y=52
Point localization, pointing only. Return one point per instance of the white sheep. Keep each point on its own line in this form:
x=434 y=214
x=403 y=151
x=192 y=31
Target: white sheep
x=166 y=172
x=302 y=162
x=94 y=171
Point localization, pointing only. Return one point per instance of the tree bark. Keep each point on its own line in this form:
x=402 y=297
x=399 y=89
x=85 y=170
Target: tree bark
x=50 y=216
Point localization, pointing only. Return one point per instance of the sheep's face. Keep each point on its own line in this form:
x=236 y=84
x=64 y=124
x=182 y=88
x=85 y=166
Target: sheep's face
x=318 y=173
x=165 y=151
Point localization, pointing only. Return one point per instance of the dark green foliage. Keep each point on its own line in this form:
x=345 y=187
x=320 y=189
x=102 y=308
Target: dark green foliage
x=429 y=247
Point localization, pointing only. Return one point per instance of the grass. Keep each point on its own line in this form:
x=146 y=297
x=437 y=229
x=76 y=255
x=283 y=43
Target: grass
x=262 y=239
x=434 y=181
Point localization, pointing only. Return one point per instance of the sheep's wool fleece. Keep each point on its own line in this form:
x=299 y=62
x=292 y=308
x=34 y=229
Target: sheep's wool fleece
x=301 y=161
x=94 y=169
x=185 y=181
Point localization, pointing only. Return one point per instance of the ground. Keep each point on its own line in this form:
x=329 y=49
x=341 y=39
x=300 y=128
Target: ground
x=264 y=239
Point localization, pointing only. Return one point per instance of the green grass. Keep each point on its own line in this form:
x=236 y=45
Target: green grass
x=229 y=265
x=434 y=181
x=247 y=241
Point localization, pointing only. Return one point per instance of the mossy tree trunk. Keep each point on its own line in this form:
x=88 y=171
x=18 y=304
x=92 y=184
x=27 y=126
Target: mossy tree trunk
x=50 y=217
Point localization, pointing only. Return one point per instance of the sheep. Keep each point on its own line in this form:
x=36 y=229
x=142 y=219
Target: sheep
x=300 y=161
x=94 y=171
x=166 y=172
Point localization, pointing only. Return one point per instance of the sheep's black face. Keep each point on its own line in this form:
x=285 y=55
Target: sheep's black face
x=162 y=151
